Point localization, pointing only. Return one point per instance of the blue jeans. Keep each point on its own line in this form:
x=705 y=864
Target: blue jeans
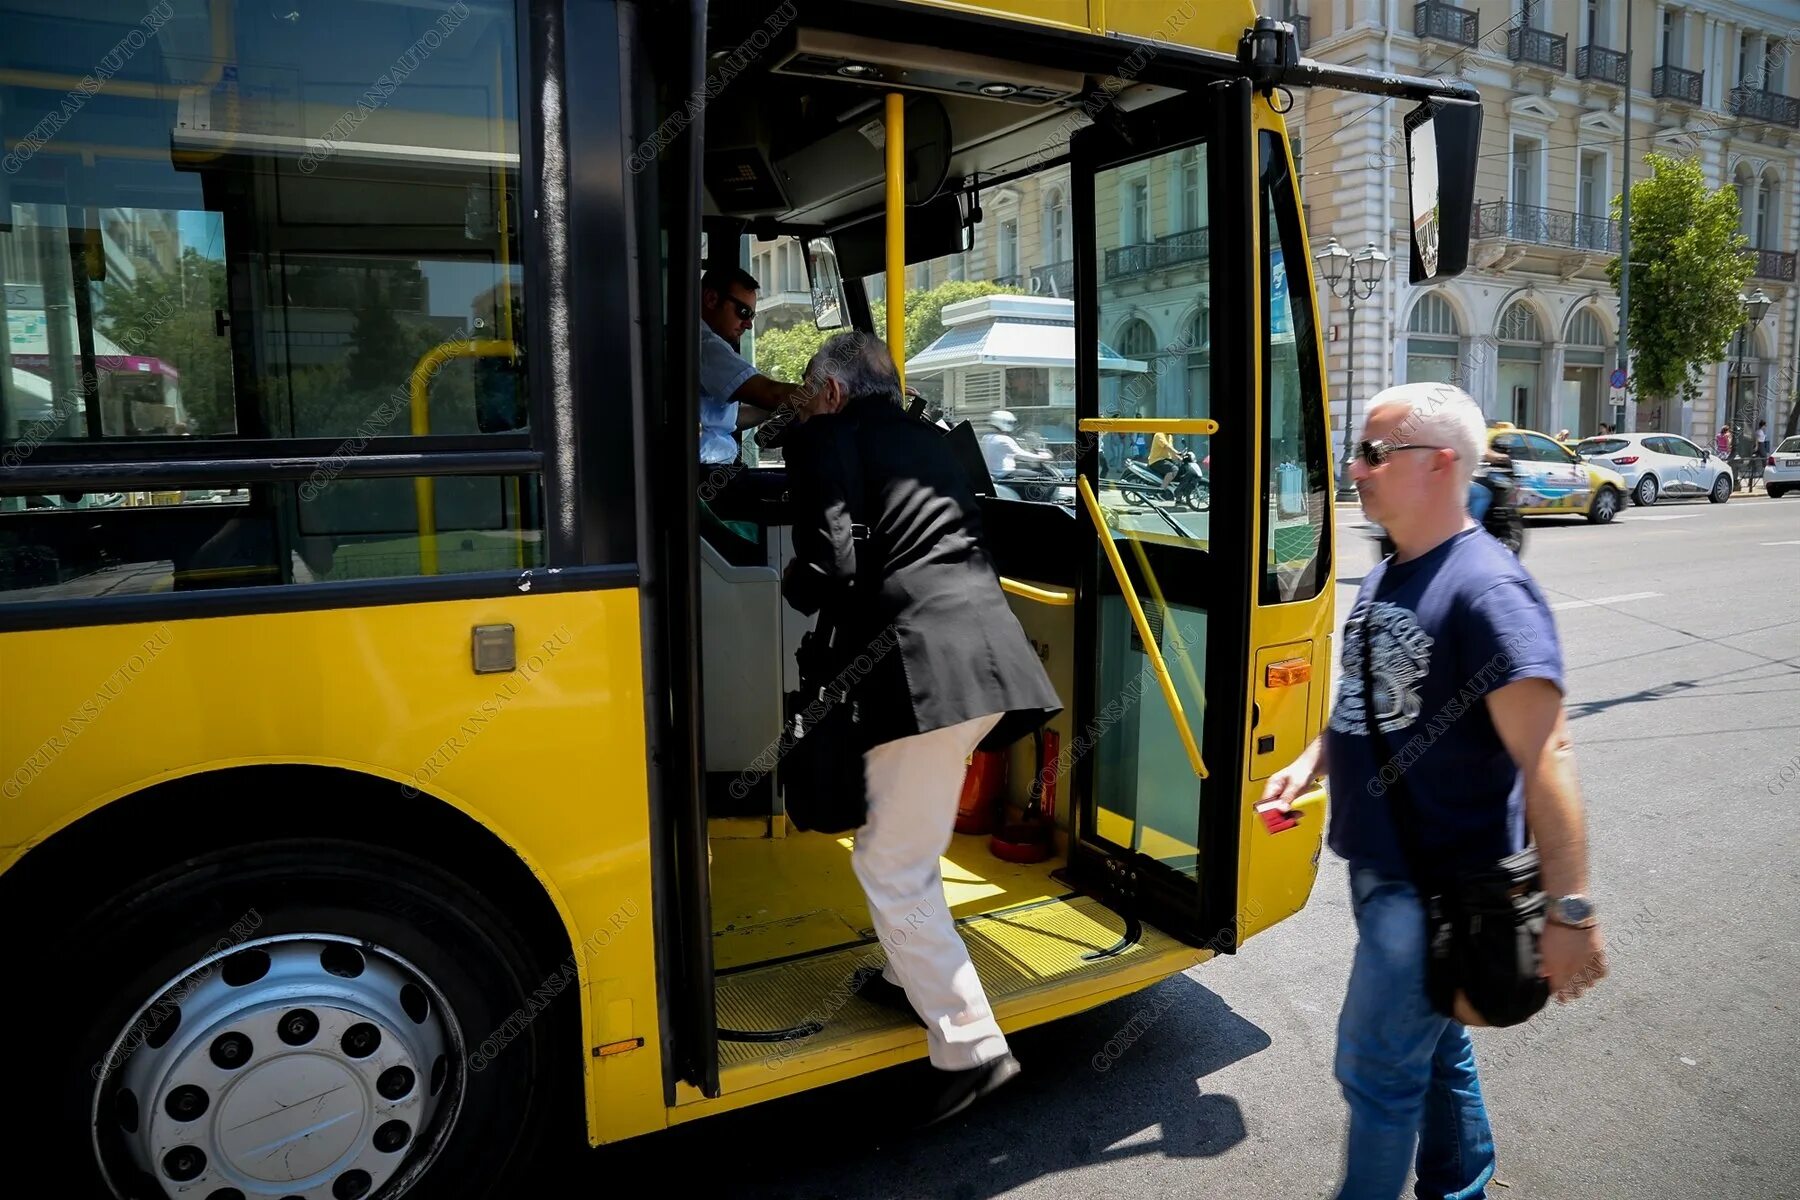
x=1408 y=1074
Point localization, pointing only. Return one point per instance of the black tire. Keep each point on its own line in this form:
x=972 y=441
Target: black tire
x=112 y=959
x=1605 y=506
x=1775 y=490
x=1721 y=490
x=1645 y=493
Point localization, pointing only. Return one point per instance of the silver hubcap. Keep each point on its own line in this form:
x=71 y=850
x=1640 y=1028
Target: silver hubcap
x=300 y=1066
x=1606 y=505
x=1646 y=492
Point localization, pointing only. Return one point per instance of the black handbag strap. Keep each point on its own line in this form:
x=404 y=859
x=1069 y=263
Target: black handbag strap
x=1399 y=797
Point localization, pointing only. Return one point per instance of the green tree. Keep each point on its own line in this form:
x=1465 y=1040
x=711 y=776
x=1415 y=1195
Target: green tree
x=783 y=353
x=170 y=317
x=1689 y=266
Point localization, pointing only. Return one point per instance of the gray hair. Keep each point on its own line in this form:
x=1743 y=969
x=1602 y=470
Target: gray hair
x=860 y=362
x=1439 y=414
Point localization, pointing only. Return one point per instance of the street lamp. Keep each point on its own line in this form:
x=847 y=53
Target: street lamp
x=1756 y=307
x=1353 y=276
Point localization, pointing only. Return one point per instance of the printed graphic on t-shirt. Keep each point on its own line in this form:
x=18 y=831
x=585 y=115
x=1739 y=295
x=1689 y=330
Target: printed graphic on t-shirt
x=1402 y=659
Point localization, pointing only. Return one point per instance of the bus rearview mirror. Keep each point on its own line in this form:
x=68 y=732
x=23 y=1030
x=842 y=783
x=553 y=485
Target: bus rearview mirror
x=827 y=285
x=1443 y=138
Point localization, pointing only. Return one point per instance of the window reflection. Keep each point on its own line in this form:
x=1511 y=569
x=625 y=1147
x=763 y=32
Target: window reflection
x=260 y=226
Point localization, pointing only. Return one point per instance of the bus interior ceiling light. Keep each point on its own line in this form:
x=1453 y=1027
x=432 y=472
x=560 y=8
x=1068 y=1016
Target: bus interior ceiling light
x=819 y=53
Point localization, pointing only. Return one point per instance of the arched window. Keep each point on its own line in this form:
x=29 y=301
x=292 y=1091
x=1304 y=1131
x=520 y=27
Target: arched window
x=1521 y=369
x=1767 y=227
x=1433 y=342
x=1138 y=391
x=1742 y=183
x=1519 y=324
x=1586 y=329
x=1056 y=227
x=1136 y=340
x=1199 y=364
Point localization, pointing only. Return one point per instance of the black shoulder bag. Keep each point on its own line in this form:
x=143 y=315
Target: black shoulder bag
x=1481 y=927
x=821 y=776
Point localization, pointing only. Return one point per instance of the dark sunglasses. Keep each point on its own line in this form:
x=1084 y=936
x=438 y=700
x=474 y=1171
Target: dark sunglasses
x=744 y=311
x=1377 y=452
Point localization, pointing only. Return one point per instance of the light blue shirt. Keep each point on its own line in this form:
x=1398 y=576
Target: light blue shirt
x=722 y=372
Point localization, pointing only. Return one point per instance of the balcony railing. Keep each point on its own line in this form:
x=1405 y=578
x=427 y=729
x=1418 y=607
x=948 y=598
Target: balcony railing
x=1546 y=227
x=1446 y=23
x=1758 y=105
x=1302 y=30
x=1190 y=245
x=1597 y=62
x=1008 y=280
x=1774 y=264
x=1053 y=279
x=1678 y=83
x=1538 y=46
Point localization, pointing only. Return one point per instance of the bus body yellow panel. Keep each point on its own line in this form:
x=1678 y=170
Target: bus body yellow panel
x=549 y=757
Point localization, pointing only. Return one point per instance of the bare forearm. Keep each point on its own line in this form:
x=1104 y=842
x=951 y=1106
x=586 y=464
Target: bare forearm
x=1554 y=814
x=1529 y=718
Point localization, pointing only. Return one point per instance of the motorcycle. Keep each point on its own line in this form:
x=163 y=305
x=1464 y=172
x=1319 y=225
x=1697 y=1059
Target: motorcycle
x=1503 y=519
x=1038 y=481
x=1185 y=485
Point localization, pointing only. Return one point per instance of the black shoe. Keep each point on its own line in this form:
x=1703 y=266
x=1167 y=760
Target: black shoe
x=966 y=1087
x=874 y=987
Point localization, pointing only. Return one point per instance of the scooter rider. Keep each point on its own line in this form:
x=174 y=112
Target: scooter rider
x=1001 y=451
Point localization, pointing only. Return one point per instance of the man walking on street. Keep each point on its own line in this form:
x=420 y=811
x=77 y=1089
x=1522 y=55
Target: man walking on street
x=1449 y=615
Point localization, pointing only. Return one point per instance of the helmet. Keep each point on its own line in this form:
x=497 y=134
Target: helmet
x=1003 y=420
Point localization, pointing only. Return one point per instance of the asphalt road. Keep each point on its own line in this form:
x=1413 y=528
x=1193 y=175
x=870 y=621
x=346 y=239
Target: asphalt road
x=1678 y=1077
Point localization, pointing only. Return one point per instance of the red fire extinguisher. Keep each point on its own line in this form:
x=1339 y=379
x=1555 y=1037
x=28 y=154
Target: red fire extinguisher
x=984 y=786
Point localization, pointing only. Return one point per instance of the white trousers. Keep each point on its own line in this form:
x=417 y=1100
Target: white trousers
x=914 y=784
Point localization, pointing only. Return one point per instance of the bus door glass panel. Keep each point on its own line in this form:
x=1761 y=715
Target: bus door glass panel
x=1154 y=295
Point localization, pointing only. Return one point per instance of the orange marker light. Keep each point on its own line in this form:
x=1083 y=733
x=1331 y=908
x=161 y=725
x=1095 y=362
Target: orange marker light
x=1287 y=672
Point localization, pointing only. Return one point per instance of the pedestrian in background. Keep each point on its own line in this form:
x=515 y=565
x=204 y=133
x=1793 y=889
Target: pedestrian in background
x=1450 y=611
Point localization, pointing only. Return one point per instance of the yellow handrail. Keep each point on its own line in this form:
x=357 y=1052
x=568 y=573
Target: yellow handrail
x=896 y=231
x=1151 y=649
x=1148 y=425
x=423 y=491
x=1058 y=598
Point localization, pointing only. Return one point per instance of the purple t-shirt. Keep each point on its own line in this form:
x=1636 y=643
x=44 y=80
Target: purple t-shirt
x=1446 y=629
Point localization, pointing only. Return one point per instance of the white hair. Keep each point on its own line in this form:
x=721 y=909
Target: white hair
x=1439 y=414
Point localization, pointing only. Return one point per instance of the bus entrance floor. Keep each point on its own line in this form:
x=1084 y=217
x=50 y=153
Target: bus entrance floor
x=791 y=932
x=775 y=898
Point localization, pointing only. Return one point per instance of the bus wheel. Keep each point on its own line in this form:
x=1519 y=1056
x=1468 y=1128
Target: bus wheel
x=317 y=1019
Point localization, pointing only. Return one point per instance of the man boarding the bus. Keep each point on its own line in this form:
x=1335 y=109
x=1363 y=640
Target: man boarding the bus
x=881 y=502
x=1450 y=616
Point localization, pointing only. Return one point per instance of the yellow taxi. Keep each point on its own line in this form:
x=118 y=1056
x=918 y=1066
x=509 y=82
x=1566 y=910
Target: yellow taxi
x=1553 y=480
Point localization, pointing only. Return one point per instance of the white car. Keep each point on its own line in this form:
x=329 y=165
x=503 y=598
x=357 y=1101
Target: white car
x=1781 y=474
x=1661 y=465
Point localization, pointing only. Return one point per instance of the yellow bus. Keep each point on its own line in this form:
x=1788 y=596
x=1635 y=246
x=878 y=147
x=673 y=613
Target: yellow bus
x=390 y=746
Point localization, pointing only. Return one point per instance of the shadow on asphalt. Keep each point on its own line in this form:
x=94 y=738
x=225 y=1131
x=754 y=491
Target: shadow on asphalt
x=1123 y=1081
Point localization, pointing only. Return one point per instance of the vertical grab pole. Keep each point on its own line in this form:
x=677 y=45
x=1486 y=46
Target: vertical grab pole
x=895 y=139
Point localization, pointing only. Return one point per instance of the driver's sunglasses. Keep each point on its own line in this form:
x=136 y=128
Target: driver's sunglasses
x=744 y=311
x=1377 y=452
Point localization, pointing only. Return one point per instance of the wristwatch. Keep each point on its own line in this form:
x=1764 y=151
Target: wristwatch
x=1577 y=912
